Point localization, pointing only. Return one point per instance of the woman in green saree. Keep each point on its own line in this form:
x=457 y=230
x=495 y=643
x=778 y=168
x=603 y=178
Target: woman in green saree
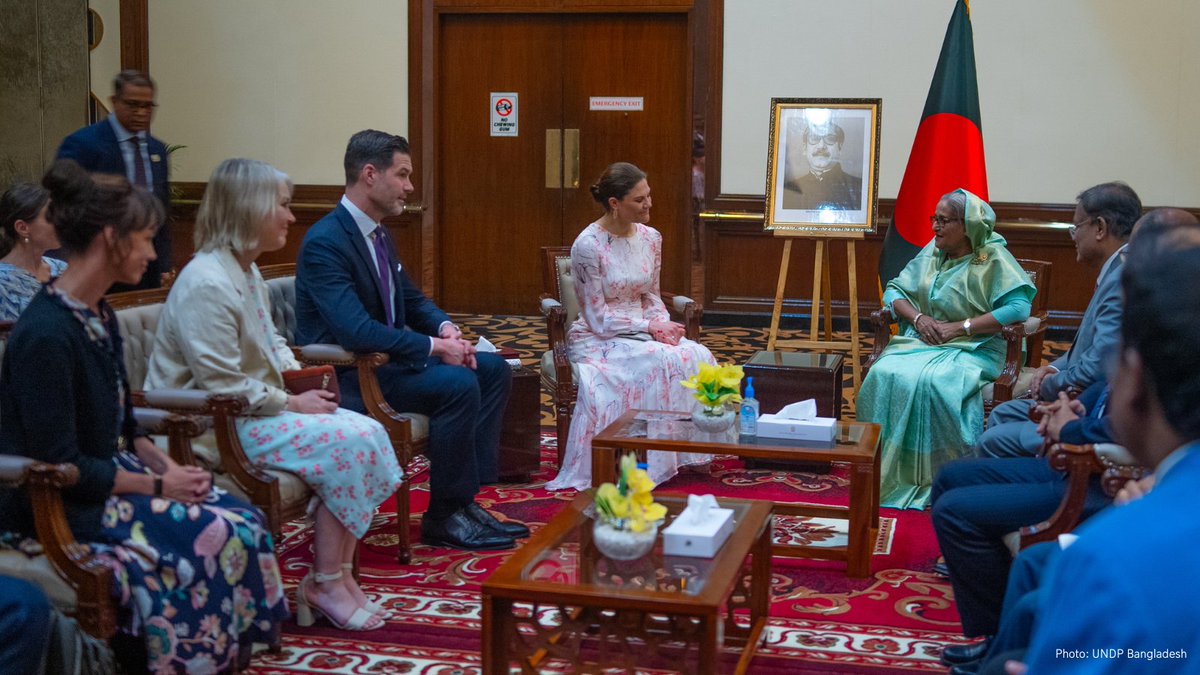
x=951 y=301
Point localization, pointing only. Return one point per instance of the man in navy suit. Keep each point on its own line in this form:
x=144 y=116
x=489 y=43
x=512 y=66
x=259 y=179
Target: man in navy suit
x=122 y=144
x=1104 y=218
x=351 y=290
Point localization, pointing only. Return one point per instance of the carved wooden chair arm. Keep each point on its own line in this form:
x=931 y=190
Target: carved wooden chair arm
x=222 y=411
x=398 y=425
x=90 y=578
x=881 y=326
x=179 y=430
x=556 y=332
x=689 y=310
x=1079 y=463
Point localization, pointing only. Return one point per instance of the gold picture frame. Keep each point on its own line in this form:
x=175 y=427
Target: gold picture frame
x=829 y=186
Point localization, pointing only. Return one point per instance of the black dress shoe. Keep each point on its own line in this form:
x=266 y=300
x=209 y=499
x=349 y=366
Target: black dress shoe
x=461 y=531
x=941 y=570
x=957 y=654
x=509 y=529
x=969 y=668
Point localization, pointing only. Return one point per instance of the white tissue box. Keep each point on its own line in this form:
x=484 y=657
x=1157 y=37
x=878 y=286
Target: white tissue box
x=822 y=429
x=698 y=540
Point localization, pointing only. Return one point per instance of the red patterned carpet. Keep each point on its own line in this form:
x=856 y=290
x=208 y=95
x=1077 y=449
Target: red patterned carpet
x=896 y=620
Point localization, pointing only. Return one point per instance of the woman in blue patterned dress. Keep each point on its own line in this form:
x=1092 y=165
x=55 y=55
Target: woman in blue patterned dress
x=215 y=333
x=195 y=568
x=25 y=236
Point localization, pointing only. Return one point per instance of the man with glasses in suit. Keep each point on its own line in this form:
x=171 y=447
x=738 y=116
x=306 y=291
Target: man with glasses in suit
x=122 y=145
x=1104 y=218
x=825 y=185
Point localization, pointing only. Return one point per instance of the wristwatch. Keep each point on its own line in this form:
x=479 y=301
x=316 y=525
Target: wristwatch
x=967 y=326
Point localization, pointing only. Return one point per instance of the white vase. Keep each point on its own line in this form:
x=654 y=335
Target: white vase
x=713 y=424
x=623 y=544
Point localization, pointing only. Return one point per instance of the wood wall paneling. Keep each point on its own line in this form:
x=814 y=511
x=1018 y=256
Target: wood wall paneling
x=310 y=203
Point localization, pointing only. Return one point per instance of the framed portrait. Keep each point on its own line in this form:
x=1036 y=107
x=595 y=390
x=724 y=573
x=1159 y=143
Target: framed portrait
x=823 y=165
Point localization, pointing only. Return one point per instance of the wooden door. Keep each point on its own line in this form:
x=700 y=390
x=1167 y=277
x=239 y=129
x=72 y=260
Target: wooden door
x=494 y=208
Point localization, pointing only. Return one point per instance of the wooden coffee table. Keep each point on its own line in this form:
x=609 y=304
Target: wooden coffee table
x=557 y=597
x=856 y=444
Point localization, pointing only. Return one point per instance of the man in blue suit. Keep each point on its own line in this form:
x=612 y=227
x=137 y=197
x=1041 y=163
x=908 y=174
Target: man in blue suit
x=1123 y=597
x=351 y=290
x=1104 y=218
x=122 y=145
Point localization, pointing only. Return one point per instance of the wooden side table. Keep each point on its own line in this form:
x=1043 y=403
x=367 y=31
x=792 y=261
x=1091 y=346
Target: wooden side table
x=521 y=431
x=781 y=378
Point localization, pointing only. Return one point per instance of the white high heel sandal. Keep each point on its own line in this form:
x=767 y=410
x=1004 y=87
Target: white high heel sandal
x=371 y=606
x=305 y=610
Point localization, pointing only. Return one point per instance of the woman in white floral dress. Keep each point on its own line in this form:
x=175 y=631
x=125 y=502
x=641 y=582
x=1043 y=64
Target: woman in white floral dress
x=628 y=352
x=215 y=333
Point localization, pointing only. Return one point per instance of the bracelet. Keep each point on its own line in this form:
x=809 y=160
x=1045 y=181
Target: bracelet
x=158 y=486
x=917 y=318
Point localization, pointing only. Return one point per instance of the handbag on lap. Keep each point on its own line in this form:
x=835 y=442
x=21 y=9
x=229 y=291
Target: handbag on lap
x=317 y=377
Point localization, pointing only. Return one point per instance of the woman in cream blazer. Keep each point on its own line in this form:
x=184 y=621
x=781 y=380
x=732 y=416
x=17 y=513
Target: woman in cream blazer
x=216 y=334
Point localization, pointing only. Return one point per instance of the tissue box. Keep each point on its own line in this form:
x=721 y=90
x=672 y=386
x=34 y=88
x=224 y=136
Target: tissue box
x=820 y=429
x=701 y=540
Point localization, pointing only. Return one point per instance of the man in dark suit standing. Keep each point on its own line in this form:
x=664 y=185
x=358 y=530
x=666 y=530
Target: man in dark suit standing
x=351 y=290
x=122 y=144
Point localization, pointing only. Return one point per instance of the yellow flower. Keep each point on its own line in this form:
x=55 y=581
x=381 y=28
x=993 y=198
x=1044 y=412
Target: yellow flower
x=730 y=376
x=655 y=512
x=715 y=386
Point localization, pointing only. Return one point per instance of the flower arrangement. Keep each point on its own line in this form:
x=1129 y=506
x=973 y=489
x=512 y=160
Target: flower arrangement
x=628 y=504
x=715 y=386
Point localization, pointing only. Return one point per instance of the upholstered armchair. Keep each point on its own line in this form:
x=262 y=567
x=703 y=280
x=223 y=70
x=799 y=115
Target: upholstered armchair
x=76 y=582
x=1020 y=338
x=409 y=432
x=560 y=307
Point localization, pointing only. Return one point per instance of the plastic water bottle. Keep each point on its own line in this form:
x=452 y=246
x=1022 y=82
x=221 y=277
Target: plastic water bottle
x=748 y=414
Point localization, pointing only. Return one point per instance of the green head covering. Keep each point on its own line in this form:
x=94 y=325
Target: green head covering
x=979 y=220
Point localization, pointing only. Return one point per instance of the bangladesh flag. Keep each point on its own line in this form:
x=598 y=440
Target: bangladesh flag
x=947 y=153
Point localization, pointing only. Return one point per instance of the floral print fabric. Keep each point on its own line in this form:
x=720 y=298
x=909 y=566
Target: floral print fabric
x=345 y=457
x=199 y=581
x=619 y=367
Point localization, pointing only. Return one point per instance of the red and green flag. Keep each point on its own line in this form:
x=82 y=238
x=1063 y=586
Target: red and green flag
x=947 y=153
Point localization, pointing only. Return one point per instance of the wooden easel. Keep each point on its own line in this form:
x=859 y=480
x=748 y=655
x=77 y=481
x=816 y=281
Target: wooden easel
x=821 y=285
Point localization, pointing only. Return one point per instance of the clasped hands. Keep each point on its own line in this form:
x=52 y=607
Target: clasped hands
x=666 y=332
x=453 y=349
x=1056 y=414
x=936 y=332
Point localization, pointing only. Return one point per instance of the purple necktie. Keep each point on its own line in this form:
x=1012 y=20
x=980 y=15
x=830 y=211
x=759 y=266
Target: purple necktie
x=139 y=167
x=385 y=276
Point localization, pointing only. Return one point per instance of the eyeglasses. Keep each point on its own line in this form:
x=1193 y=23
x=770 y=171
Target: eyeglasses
x=830 y=139
x=936 y=221
x=138 y=105
x=1075 y=226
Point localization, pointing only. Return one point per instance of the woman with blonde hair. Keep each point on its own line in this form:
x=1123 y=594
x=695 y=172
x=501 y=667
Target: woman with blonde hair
x=216 y=334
